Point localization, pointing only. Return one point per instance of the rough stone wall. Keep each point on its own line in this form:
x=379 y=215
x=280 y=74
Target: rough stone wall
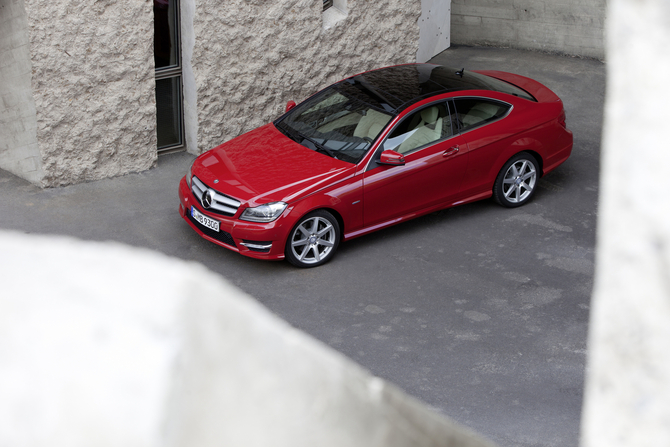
x=251 y=56
x=574 y=27
x=94 y=89
x=627 y=398
x=19 y=151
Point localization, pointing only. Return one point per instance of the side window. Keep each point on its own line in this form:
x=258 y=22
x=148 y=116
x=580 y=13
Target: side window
x=423 y=127
x=474 y=112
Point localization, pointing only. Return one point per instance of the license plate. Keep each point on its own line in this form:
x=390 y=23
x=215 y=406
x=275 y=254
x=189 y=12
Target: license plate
x=204 y=220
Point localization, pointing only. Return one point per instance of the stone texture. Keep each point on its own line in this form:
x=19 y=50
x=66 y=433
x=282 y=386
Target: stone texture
x=93 y=86
x=92 y=91
x=573 y=27
x=251 y=56
x=116 y=346
x=627 y=399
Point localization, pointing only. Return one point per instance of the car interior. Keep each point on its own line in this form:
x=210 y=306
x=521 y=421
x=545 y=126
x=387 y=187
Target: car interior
x=371 y=124
x=427 y=125
x=473 y=112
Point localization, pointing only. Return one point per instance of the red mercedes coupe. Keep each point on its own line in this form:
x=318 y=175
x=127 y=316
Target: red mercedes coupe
x=371 y=151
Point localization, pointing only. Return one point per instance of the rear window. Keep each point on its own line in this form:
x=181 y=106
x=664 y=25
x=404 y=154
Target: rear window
x=502 y=86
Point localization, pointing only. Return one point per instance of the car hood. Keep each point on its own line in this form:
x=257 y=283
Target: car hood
x=264 y=166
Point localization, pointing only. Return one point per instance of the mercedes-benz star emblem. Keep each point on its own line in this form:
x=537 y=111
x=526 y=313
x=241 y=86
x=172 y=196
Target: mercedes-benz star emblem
x=207 y=198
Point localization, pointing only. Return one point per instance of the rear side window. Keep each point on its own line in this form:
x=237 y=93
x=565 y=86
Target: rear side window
x=474 y=112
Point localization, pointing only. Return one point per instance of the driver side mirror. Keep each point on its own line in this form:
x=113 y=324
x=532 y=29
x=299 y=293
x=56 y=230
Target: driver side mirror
x=290 y=105
x=392 y=158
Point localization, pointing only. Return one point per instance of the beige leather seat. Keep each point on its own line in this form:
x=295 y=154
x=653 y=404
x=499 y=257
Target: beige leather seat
x=480 y=112
x=428 y=130
x=371 y=124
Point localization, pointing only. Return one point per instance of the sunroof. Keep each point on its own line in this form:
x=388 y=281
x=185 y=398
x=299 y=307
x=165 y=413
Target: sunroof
x=405 y=84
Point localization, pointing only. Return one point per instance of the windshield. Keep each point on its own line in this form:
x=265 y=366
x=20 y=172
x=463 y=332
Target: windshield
x=336 y=124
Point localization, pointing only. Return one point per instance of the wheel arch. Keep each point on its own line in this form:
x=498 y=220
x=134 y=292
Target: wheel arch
x=537 y=157
x=304 y=211
x=336 y=215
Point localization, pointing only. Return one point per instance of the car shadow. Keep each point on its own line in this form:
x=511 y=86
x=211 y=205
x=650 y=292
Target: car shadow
x=476 y=210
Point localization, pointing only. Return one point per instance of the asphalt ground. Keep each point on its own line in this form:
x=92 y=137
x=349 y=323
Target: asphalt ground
x=480 y=311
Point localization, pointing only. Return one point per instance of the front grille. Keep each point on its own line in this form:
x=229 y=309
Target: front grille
x=220 y=203
x=220 y=236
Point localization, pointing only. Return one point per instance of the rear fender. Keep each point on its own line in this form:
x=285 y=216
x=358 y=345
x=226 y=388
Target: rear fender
x=525 y=144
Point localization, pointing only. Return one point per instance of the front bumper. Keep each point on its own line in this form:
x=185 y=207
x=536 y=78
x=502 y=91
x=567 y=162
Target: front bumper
x=256 y=240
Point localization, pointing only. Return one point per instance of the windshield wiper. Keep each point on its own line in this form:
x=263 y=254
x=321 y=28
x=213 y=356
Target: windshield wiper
x=320 y=147
x=297 y=136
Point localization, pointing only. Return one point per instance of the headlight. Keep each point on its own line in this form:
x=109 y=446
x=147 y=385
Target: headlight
x=264 y=213
x=189 y=174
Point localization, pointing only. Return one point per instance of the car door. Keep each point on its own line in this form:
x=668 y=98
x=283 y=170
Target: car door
x=435 y=163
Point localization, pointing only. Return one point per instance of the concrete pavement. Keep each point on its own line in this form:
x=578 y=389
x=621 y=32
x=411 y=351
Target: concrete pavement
x=479 y=311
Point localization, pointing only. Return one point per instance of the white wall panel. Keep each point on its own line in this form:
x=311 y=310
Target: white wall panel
x=435 y=28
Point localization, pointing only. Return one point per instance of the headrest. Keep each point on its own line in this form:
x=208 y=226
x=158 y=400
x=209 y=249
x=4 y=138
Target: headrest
x=430 y=114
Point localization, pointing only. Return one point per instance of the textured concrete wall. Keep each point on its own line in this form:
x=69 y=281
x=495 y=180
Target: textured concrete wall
x=117 y=347
x=19 y=151
x=251 y=56
x=93 y=86
x=627 y=399
x=92 y=96
x=572 y=27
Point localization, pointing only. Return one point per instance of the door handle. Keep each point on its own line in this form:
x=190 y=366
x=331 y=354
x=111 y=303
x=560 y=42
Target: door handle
x=451 y=151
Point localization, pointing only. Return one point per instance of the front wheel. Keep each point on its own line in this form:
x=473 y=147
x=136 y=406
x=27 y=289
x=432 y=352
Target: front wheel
x=517 y=181
x=313 y=240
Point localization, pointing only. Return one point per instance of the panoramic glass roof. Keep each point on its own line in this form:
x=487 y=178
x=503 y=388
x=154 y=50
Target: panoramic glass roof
x=395 y=88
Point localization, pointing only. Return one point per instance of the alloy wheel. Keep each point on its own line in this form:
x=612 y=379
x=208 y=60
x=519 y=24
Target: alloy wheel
x=313 y=240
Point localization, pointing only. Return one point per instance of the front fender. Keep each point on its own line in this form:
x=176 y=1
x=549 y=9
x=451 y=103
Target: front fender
x=344 y=200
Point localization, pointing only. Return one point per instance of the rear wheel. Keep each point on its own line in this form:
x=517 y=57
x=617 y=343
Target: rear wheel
x=313 y=240
x=517 y=181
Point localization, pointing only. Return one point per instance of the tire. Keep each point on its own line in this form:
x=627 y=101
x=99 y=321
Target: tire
x=314 y=240
x=517 y=181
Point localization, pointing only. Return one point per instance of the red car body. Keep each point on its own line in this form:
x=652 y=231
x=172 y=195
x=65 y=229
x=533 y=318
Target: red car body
x=266 y=166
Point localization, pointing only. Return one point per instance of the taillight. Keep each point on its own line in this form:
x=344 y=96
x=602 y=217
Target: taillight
x=561 y=118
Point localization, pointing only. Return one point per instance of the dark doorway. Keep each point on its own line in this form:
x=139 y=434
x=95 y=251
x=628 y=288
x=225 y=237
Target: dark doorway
x=167 y=57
